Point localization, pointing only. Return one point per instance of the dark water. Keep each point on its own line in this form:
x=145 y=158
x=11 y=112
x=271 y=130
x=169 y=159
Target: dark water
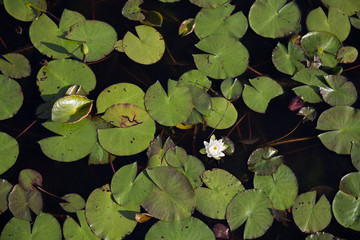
x=313 y=165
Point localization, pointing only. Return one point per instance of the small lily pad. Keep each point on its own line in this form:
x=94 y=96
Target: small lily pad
x=11 y=97
x=132 y=10
x=310 y=94
x=9 y=151
x=5 y=188
x=192 y=169
x=340 y=92
x=187 y=27
x=99 y=156
x=288 y=60
x=201 y=99
x=176 y=158
x=15 y=65
x=321 y=236
x=231 y=88
x=28 y=178
x=72 y=230
x=74 y=202
x=71 y=109
x=25 y=10
x=347 y=54
x=222 y=115
x=263 y=161
x=152 y=18
x=196 y=78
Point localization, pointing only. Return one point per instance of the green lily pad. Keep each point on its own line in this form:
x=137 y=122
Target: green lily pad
x=106 y=218
x=28 y=178
x=308 y=113
x=350 y=7
x=98 y=36
x=222 y=187
x=55 y=78
x=324 y=45
x=147 y=48
x=288 y=60
x=187 y=27
x=176 y=157
x=311 y=217
x=99 y=156
x=253 y=207
x=45 y=227
x=201 y=99
x=11 y=97
x=120 y=93
x=340 y=92
x=226 y=57
x=321 y=236
x=168 y=109
x=231 y=88
x=156 y=152
x=192 y=169
x=209 y=3
x=76 y=141
x=133 y=132
x=355 y=155
x=281 y=187
x=196 y=78
x=189 y=229
x=258 y=96
x=129 y=189
x=172 y=197
x=15 y=65
x=25 y=10
x=336 y=23
x=343 y=126
x=9 y=151
x=274 y=18
x=347 y=54
x=72 y=230
x=132 y=11
x=71 y=109
x=263 y=161
x=311 y=76
x=50 y=39
x=5 y=188
x=74 y=202
x=222 y=115
x=220 y=21
x=310 y=94
x=21 y=201
x=355 y=21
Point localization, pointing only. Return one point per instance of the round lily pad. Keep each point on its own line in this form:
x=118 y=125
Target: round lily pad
x=347 y=54
x=28 y=178
x=9 y=151
x=340 y=92
x=274 y=18
x=147 y=48
x=231 y=88
x=226 y=57
x=222 y=115
x=76 y=141
x=288 y=60
x=98 y=36
x=11 y=97
x=74 y=202
x=263 y=161
x=25 y=10
x=133 y=132
x=72 y=230
x=15 y=65
x=196 y=78
x=132 y=10
x=350 y=7
x=189 y=229
x=5 y=188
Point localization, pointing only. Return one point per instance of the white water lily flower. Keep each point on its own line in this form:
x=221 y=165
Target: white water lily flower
x=215 y=148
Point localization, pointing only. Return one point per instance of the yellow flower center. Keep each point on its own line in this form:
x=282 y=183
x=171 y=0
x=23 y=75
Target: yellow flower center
x=215 y=147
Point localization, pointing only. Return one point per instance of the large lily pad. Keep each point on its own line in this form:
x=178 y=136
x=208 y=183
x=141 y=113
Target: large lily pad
x=263 y=161
x=172 y=197
x=343 y=126
x=258 y=96
x=168 y=109
x=25 y=10
x=340 y=92
x=226 y=57
x=133 y=132
x=311 y=217
x=147 y=48
x=274 y=18
x=281 y=187
x=222 y=115
x=288 y=60
x=220 y=21
x=71 y=109
x=5 y=188
x=222 y=187
x=76 y=141
x=189 y=229
x=350 y=7
x=11 y=97
x=9 y=151
x=253 y=207
x=72 y=230
x=106 y=218
x=50 y=39
x=15 y=65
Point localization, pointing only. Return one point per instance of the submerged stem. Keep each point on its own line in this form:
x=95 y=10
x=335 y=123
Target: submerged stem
x=276 y=140
x=26 y=128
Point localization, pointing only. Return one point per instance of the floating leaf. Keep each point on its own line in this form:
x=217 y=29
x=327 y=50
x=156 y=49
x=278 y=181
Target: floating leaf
x=120 y=93
x=253 y=207
x=226 y=57
x=133 y=132
x=221 y=231
x=355 y=155
x=263 y=161
x=222 y=187
x=25 y=10
x=168 y=109
x=76 y=141
x=288 y=60
x=309 y=113
x=340 y=91
x=311 y=217
x=343 y=126
x=347 y=54
x=172 y=197
x=156 y=152
x=192 y=169
x=152 y=19
x=310 y=94
x=258 y=96
x=74 y=202
x=9 y=151
x=355 y=21
x=321 y=236
x=220 y=21
x=336 y=23
x=15 y=65
x=75 y=90
x=311 y=76
x=274 y=18
x=99 y=156
x=176 y=158
x=189 y=229
x=106 y=218
x=187 y=27
x=196 y=78
x=350 y=7
x=5 y=188
x=119 y=46
x=142 y=217
x=132 y=11
x=49 y=39
x=201 y=99
x=209 y=3
x=99 y=37
x=11 y=97
x=28 y=178
x=71 y=109
x=147 y=48
x=231 y=89
x=222 y=115
x=281 y=187
x=72 y=230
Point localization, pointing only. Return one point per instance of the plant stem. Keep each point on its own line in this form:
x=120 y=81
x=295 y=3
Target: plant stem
x=235 y=125
x=3 y=43
x=276 y=140
x=291 y=141
x=258 y=73
x=26 y=129
x=348 y=69
x=111 y=164
x=49 y=193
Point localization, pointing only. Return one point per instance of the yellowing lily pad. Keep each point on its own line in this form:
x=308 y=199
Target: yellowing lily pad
x=25 y=10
